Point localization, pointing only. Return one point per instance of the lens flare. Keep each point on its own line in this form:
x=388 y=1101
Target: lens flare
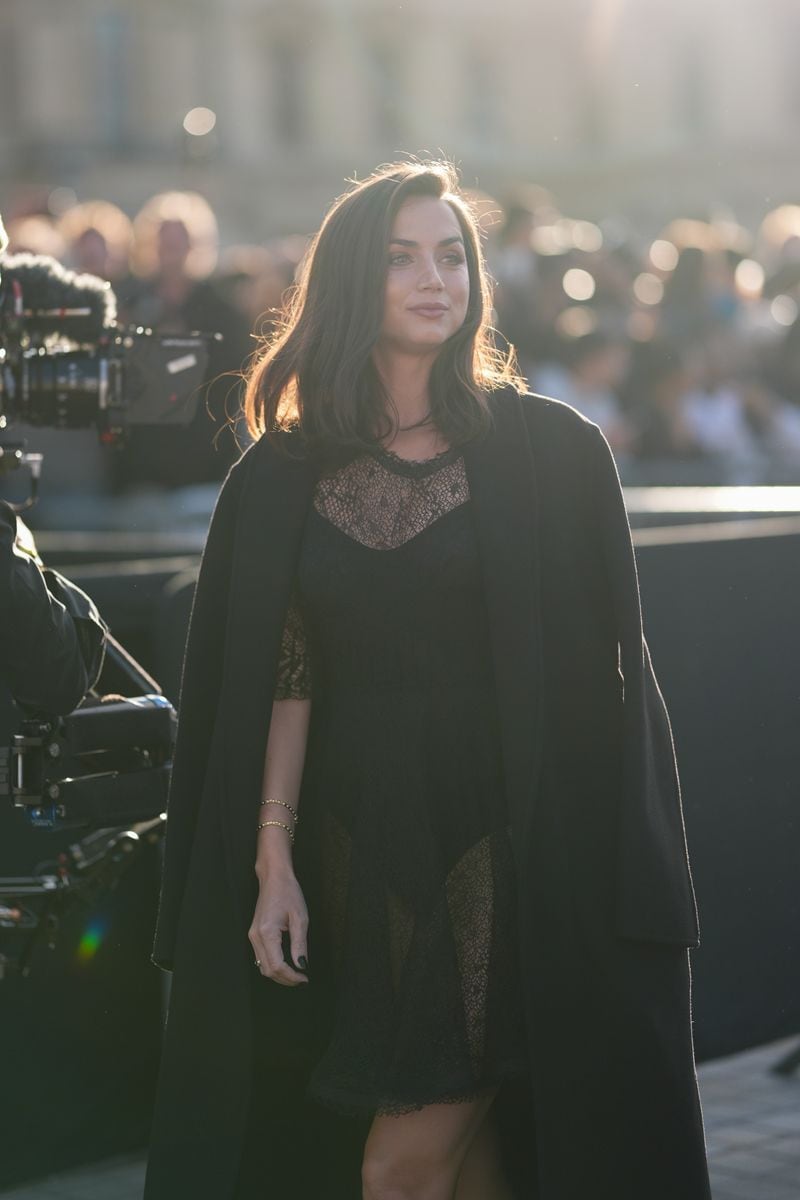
x=91 y=939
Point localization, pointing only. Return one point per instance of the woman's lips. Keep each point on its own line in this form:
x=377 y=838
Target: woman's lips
x=430 y=310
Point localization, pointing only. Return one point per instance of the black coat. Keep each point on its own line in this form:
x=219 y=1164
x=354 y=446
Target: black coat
x=52 y=638
x=608 y=909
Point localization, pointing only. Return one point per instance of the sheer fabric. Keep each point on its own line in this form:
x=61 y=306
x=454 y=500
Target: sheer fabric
x=403 y=848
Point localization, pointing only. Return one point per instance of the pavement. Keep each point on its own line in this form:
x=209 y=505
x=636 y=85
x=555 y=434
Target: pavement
x=752 y=1120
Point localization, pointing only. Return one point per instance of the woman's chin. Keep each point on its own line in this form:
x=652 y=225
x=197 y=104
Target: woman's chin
x=415 y=344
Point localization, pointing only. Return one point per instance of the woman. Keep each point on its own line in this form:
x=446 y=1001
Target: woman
x=471 y=902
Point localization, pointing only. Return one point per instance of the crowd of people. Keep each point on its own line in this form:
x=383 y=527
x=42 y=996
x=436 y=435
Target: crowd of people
x=683 y=346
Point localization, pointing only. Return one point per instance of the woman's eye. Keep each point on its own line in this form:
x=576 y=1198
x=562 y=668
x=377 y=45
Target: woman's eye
x=454 y=259
x=399 y=260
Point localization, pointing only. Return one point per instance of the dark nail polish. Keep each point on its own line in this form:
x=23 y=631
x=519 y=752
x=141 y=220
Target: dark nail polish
x=302 y=962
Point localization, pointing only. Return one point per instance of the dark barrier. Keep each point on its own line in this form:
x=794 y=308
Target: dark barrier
x=721 y=615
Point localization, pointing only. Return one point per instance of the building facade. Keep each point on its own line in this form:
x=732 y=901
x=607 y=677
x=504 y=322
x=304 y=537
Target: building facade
x=617 y=106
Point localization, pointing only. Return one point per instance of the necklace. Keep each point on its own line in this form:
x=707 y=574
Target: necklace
x=424 y=421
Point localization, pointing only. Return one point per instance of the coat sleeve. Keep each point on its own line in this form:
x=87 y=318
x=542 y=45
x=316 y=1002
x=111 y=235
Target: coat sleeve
x=655 y=893
x=201 y=683
x=52 y=638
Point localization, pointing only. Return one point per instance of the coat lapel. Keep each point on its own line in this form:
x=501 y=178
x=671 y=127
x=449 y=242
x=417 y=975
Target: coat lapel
x=275 y=502
x=501 y=476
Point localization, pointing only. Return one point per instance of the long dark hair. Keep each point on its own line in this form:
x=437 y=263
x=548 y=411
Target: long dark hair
x=315 y=372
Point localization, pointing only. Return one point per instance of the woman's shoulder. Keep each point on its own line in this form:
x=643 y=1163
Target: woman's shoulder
x=270 y=446
x=545 y=414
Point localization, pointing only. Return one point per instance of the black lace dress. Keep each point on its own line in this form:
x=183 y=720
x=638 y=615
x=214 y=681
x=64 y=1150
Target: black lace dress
x=402 y=849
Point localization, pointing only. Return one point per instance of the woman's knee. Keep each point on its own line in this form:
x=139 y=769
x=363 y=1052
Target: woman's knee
x=418 y=1156
x=407 y=1177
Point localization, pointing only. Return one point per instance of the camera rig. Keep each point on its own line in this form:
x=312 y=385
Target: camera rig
x=102 y=770
x=67 y=364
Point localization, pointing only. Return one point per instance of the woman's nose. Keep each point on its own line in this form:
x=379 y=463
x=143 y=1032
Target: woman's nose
x=430 y=277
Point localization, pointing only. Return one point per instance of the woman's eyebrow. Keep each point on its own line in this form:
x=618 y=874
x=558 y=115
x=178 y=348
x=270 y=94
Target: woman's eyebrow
x=444 y=242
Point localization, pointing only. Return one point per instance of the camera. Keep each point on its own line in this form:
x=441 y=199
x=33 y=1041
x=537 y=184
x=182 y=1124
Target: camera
x=67 y=364
x=104 y=768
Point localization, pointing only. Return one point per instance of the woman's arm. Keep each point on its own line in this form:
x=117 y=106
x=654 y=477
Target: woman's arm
x=281 y=906
x=283 y=773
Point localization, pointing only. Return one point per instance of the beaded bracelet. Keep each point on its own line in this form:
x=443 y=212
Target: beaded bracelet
x=288 y=829
x=271 y=800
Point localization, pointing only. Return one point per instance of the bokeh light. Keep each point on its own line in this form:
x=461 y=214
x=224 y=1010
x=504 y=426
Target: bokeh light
x=749 y=278
x=576 y=321
x=648 y=288
x=60 y=200
x=199 y=121
x=578 y=284
x=783 y=310
x=587 y=236
x=663 y=255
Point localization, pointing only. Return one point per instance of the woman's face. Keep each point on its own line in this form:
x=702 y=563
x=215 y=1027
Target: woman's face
x=427 y=279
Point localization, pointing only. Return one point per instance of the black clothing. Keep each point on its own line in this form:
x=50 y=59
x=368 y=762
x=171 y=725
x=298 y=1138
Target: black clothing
x=52 y=644
x=52 y=637
x=402 y=849
x=606 y=906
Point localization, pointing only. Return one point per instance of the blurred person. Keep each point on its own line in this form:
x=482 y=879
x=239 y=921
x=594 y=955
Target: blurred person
x=784 y=280
x=253 y=279
x=778 y=244
x=687 y=308
x=589 y=372
x=779 y=372
x=725 y=303
x=34 y=234
x=715 y=408
x=425 y=862
x=614 y=269
x=654 y=398
x=174 y=254
x=781 y=364
x=98 y=238
x=515 y=267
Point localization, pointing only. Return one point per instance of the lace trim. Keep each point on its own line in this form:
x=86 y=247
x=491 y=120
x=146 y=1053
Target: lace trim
x=414 y=466
x=350 y=1105
x=294 y=658
x=382 y=501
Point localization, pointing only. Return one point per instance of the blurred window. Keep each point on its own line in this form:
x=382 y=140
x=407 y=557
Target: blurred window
x=592 y=113
x=386 y=87
x=692 y=100
x=289 y=70
x=9 y=81
x=111 y=109
x=481 y=95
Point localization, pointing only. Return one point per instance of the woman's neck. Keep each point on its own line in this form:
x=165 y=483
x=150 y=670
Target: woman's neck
x=406 y=378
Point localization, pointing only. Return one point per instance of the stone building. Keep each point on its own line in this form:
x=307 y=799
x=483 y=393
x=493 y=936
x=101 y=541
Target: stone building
x=629 y=106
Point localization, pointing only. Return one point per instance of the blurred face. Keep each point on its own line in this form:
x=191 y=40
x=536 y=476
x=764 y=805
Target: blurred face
x=173 y=244
x=91 y=253
x=427 y=278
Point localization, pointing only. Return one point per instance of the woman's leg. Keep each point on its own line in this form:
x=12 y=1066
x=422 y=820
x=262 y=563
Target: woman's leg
x=418 y=1156
x=483 y=1175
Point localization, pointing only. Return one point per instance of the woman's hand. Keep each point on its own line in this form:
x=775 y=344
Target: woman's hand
x=280 y=907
